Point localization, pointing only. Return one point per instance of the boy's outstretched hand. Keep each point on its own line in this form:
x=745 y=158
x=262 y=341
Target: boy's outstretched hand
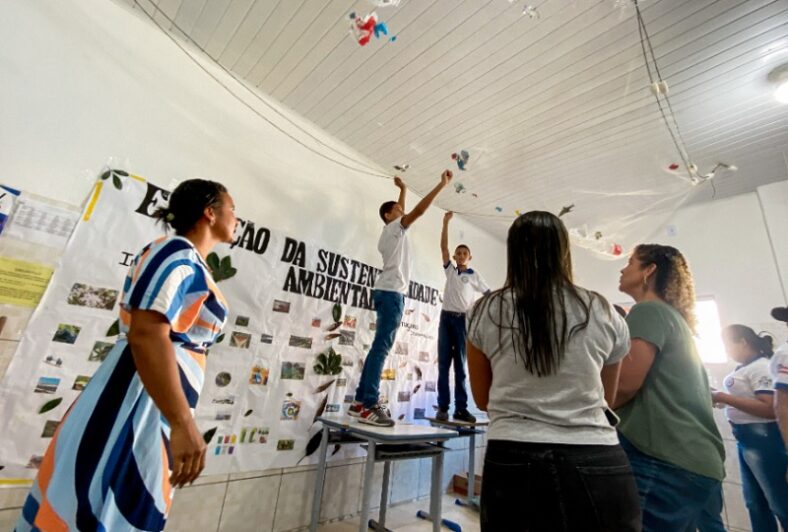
x=399 y=182
x=446 y=177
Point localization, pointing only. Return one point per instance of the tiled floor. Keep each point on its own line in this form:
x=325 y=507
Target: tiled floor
x=402 y=518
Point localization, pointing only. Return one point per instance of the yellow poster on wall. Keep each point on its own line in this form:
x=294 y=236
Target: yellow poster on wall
x=22 y=283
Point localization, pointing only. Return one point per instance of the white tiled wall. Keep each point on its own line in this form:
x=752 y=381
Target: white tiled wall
x=281 y=499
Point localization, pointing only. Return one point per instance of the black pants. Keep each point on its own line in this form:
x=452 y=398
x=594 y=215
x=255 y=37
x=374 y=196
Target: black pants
x=539 y=487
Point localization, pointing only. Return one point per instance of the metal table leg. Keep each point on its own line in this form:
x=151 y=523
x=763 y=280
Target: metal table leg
x=472 y=467
x=435 y=492
x=321 y=477
x=366 y=495
x=380 y=524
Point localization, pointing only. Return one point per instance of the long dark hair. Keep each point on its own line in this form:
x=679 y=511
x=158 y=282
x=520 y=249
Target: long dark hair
x=188 y=202
x=672 y=279
x=762 y=344
x=539 y=277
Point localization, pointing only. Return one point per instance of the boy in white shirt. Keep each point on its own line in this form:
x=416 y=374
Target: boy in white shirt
x=462 y=285
x=389 y=298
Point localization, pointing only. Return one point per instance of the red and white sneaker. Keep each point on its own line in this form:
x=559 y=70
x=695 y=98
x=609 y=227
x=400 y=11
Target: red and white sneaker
x=355 y=409
x=377 y=415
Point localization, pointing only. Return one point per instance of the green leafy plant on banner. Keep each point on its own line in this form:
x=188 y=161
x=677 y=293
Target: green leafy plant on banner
x=115 y=174
x=50 y=405
x=221 y=269
x=336 y=312
x=328 y=363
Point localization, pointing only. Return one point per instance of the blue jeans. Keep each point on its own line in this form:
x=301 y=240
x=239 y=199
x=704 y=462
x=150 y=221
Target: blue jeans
x=389 y=307
x=671 y=497
x=711 y=517
x=763 y=464
x=451 y=350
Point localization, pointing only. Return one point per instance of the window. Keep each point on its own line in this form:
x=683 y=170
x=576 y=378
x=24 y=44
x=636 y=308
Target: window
x=709 y=339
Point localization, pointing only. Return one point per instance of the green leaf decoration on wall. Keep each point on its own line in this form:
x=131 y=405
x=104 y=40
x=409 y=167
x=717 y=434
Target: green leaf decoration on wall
x=328 y=363
x=208 y=436
x=221 y=269
x=336 y=312
x=114 y=329
x=50 y=405
x=116 y=175
x=323 y=387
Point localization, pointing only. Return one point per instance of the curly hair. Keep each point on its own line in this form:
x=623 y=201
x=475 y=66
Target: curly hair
x=672 y=279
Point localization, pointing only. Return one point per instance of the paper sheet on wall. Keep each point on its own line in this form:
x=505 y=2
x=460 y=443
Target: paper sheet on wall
x=41 y=223
x=22 y=283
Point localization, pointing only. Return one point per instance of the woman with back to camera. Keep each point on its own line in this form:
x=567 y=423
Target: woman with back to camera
x=749 y=407
x=667 y=425
x=130 y=437
x=543 y=359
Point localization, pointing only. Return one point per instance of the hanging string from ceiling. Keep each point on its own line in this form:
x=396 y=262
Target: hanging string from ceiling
x=361 y=167
x=660 y=89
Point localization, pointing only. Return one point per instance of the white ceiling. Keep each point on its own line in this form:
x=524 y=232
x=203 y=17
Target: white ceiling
x=553 y=111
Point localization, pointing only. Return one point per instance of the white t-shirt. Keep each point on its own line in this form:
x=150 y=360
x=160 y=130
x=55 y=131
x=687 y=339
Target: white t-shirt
x=747 y=381
x=461 y=287
x=395 y=249
x=779 y=367
x=567 y=407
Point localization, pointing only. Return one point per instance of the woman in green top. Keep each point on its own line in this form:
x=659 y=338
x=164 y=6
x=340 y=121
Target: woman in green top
x=667 y=426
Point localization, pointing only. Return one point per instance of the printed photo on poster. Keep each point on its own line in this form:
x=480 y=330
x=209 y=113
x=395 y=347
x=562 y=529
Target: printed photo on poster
x=66 y=334
x=293 y=370
x=300 y=341
x=240 y=340
x=259 y=375
x=254 y=435
x=100 y=351
x=47 y=385
x=80 y=382
x=281 y=306
x=84 y=295
x=347 y=337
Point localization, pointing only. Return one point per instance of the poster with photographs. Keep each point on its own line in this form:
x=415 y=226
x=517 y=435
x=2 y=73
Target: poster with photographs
x=301 y=320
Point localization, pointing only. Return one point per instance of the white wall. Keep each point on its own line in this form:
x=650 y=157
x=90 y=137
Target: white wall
x=87 y=82
x=728 y=249
x=728 y=245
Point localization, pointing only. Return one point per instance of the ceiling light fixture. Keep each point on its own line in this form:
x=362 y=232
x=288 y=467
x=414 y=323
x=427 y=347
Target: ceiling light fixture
x=779 y=76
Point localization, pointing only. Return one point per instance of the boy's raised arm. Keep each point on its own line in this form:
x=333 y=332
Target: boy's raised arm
x=422 y=206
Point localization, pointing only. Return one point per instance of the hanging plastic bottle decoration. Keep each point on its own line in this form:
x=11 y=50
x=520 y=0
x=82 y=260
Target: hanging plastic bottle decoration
x=461 y=158
x=595 y=242
x=363 y=28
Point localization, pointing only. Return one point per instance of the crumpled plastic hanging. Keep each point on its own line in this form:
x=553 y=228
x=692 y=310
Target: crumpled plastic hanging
x=363 y=28
x=461 y=158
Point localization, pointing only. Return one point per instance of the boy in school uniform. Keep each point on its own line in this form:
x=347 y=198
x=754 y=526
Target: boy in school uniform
x=459 y=294
x=389 y=298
